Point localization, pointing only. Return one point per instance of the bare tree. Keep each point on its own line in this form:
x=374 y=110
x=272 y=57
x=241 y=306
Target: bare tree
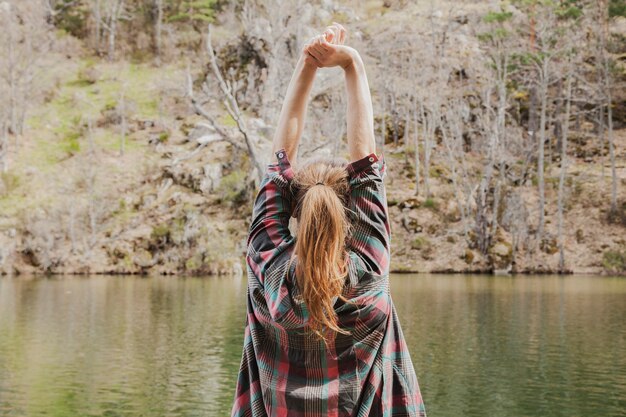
x=24 y=40
x=605 y=81
x=4 y=145
x=158 y=29
x=564 y=165
x=121 y=109
x=500 y=46
x=231 y=105
x=274 y=22
x=107 y=15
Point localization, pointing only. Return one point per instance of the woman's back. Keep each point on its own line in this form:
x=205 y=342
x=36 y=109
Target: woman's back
x=288 y=371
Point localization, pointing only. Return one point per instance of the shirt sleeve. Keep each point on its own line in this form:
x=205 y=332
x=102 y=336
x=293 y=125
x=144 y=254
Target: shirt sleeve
x=370 y=232
x=269 y=234
x=276 y=299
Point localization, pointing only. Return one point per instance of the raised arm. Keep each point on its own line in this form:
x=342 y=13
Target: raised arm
x=293 y=111
x=360 y=114
x=370 y=235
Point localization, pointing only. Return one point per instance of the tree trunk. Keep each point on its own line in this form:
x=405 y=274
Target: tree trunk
x=500 y=140
x=98 y=30
x=564 y=166
x=406 y=138
x=13 y=79
x=394 y=118
x=158 y=28
x=4 y=146
x=112 y=30
x=609 y=119
x=417 y=149
x=542 y=141
x=426 y=127
x=122 y=110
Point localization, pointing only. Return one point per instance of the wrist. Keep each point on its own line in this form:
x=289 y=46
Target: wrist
x=353 y=61
x=307 y=65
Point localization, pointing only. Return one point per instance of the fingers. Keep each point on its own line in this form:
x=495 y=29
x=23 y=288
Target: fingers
x=335 y=33
x=339 y=33
x=342 y=32
x=330 y=34
x=310 y=59
x=315 y=50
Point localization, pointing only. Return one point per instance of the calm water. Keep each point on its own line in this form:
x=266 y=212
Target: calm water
x=482 y=346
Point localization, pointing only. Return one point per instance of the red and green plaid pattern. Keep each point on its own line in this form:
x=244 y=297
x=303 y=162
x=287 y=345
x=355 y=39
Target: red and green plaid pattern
x=286 y=372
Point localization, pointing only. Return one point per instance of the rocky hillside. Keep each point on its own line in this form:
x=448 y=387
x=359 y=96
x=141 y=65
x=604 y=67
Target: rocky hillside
x=116 y=173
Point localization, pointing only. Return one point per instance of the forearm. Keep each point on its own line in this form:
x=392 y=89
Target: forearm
x=293 y=112
x=360 y=114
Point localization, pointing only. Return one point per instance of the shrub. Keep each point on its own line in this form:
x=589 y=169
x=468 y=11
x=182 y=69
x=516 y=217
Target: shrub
x=614 y=261
x=233 y=188
x=617 y=216
x=8 y=182
x=70 y=143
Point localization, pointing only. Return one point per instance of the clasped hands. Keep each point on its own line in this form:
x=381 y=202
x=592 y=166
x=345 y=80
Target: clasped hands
x=328 y=49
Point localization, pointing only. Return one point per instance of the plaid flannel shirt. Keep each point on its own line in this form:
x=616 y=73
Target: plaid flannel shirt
x=285 y=372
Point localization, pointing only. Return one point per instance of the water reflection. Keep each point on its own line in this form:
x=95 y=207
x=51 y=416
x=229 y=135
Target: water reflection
x=482 y=346
x=524 y=346
x=119 y=346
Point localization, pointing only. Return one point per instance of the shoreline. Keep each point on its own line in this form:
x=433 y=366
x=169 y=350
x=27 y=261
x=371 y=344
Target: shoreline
x=599 y=273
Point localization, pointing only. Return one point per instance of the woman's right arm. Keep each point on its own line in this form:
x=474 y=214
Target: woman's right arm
x=360 y=115
x=370 y=235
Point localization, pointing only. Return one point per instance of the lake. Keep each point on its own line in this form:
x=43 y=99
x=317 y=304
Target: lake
x=482 y=345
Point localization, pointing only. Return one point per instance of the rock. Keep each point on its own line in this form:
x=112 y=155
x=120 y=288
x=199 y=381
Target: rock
x=199 y=130
x=206 y=139
x=618 y=26
x=468 y=256
x=410 y=203
x=261 y=127
x=549 y=245
x=501 y=256
x=410 y=222
x=90 y=75
x=212 y=178
x=143 y=259
x=461 y=19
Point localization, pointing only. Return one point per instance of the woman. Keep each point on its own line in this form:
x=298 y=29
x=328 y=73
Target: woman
x=322 y=336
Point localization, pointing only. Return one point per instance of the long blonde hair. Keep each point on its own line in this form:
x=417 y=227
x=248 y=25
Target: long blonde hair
x=322 y=192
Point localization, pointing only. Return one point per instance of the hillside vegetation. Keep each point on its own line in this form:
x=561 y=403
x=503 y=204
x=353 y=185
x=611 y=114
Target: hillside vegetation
x=503 y=126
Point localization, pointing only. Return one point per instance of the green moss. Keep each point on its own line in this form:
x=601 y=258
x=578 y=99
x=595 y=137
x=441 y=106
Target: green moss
x=437 y=171
x=430 y=203
x=420 y=243
x=192 y=264
x=227 y=120
x=160 y=231
x=163 y=137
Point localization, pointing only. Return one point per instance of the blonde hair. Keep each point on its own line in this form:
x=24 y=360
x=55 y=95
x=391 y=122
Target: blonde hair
x=322 y=259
